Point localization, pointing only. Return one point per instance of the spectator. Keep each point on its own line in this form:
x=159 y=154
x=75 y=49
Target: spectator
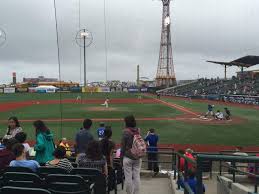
x=13 y=128
x=108 y=146
x=152 y=139
x=2 y=146
x=65 y=144
x=60 y=160
x=20 y=161
x=83 y=137
x=100 y=131
x=6 y=154
x=188 y=153
x=21 y=138
x=44 y=143
x=182 y=160
x=130 y=163
x=93 y=158
x=191 y=181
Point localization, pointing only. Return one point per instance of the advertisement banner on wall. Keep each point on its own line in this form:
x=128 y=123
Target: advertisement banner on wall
x=89 y=89
x=143 y=89
x=133 y=90
x=9 y=90
x=21 y=90
x=32 y=89
x=104 y=89
x=1 y=90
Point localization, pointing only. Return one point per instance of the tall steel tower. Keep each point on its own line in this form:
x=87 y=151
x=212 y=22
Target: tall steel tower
x=165 y=71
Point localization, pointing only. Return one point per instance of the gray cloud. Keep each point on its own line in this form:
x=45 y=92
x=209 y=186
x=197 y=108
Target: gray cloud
x=201 y=30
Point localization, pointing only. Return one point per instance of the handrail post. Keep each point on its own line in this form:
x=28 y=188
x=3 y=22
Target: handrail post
x=256 y=183
x=175 y=166
x=234 y=171
x=220 y=168
x=178 y=176
x=199 y=176
x=185 y=169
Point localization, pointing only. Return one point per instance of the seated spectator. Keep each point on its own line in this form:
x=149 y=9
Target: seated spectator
x=227 y=114
x=108 y=146
x=20 y=161
x=219 y=115
x=13 y=128
x=21 y=138
x=60 y=160
x=6 y=154
x=65 y=144
x=1 y=144
x=93 y=158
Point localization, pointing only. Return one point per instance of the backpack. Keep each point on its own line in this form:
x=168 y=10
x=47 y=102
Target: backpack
x=138 y=149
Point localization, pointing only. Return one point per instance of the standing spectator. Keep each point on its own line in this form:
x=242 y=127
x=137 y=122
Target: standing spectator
x=21 y=138
x=64 y=143
x=21 y=161
x=152 y=139
x=93 y=158
x=131 y=164
x=14 y=127
x=44 y=146
x=108 y=146
x=100 y=131
x=6 y=154
x=83 y=137
x=60 y=160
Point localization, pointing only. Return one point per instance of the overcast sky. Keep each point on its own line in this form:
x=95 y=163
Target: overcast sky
x=201 y=30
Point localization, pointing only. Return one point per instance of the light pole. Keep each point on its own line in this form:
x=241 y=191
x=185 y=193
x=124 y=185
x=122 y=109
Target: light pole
x=84 y=39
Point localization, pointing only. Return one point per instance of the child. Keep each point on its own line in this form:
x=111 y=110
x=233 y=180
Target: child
x=64 y=143
x=21 y=138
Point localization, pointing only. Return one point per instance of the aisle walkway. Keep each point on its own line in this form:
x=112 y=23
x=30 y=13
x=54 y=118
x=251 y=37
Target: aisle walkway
x=154 y=186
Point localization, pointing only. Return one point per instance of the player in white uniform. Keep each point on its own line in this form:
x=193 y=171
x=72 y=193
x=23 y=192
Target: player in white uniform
x=78 y=98
x=106 y=103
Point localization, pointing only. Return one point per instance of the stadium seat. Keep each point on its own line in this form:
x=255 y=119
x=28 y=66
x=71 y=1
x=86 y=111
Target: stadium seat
x=44 y=171
x=18 y=169
x=74 y=164
x=93 y=176
x=21 y=190
x=68 y=184
x=22 y=179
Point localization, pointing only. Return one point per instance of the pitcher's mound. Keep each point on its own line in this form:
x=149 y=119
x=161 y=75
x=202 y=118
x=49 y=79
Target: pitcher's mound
x=100 y=108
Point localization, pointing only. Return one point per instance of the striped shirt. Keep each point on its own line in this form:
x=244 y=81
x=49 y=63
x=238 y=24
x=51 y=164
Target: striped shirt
x=85 y=162
x=63 y=163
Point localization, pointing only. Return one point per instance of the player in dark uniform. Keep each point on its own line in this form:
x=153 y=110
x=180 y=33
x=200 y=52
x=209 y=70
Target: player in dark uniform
x=210 y=110
x=227 y=114
x=158 y=95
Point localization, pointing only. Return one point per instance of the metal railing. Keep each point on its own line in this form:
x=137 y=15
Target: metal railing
x=226 y=158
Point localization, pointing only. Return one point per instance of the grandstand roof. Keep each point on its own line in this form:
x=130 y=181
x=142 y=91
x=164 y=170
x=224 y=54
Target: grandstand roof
x=246 y=61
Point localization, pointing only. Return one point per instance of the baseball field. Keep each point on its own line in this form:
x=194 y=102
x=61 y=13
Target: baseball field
x=176 y=120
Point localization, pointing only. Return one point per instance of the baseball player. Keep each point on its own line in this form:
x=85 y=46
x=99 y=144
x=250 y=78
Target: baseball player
x=106 y=103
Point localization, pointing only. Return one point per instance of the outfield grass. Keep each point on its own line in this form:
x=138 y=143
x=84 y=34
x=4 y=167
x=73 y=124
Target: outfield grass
x=169 y=131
